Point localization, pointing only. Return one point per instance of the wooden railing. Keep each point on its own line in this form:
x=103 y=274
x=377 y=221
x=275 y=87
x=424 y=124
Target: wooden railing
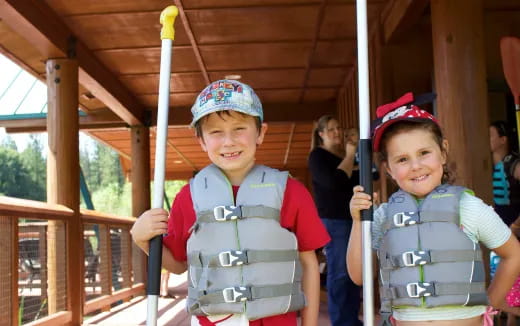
x=44 y=224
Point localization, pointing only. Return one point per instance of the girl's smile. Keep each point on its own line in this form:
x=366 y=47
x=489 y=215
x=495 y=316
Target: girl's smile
x=415 y=161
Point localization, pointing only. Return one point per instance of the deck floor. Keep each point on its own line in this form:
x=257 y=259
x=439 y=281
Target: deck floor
x=171 y=310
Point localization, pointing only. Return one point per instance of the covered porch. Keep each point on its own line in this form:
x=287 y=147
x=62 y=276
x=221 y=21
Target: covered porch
x=101 y=58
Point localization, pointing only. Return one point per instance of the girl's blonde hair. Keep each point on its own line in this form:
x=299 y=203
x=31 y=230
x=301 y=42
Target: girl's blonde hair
x=320 y=126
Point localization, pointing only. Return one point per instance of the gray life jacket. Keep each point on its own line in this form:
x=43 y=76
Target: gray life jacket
x=425 y=258
x=240 y=259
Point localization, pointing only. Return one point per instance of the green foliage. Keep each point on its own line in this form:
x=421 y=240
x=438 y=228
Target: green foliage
x=114 y=199
x=15 y=177
x=171 y=188
x=8 y=142
x=102 y=169
x=36 y=167
x=23 y=175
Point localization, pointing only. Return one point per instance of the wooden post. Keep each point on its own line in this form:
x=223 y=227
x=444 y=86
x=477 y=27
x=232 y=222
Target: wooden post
x=14 y=270
x=105 y=263
x=140 y=190
x=63 y=186
x=126 y=257
x=460 y=81
x=8 y=266
x=42 y=246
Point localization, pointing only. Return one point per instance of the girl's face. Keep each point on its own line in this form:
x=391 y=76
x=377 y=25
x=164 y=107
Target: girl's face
x=415 y=161
x=332 y=134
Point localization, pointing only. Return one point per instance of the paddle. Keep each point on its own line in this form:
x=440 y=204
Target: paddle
x=365 y=164
x=167 y=20
x=510 y=51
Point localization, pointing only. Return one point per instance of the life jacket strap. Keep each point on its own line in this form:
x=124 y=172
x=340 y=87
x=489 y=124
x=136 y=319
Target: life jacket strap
x=243 y=293
x=231 y=213
x=426 y=289
x=229 y=258
x=403 y=219
x=422 y=257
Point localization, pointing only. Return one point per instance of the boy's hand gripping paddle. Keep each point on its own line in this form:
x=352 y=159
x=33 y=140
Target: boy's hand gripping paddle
x=510 y=51
x=155 y=252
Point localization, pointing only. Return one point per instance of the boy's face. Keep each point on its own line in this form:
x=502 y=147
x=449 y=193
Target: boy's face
x=230 y=141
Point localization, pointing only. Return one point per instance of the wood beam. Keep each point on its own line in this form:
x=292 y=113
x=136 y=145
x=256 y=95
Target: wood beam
x=316 y=36
x=62 y=188
x=460 y=82
x=194 y=45
x=122 y=154
x=9 y=289
x=40 y=25
x=400 y=15
x=140 y=176
x=95 y=120
x=289 y=143
x=273 y=112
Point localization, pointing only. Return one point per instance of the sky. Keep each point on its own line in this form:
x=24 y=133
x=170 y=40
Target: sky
x=22 y=93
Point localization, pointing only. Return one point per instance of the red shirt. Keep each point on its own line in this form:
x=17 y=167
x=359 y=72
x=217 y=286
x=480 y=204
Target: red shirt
x=298 y=214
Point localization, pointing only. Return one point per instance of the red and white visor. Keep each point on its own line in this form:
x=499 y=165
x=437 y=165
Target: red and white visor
x=402 y=109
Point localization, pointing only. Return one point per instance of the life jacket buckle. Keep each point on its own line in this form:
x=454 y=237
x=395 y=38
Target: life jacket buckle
x=232 y=258
x=227 y=213
x=236 y=294
x=405 y=218
x=414 y=258
x=420 y=289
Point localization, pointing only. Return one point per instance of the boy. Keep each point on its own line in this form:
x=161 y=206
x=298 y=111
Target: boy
x=245 y=232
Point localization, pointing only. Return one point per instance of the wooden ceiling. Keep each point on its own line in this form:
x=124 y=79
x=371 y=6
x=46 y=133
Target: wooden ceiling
x=297 y=55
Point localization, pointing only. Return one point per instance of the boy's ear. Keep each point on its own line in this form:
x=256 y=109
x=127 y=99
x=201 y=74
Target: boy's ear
x=261 y=134
x=202 y=144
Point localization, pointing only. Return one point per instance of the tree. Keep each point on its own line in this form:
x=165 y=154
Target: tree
x=15 y=180
x=34 y=162
x=8 y=142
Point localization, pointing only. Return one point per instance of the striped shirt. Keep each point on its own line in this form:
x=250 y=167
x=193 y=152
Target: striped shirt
x=481 y=224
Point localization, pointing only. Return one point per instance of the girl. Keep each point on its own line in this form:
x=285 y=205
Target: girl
x=427 y=235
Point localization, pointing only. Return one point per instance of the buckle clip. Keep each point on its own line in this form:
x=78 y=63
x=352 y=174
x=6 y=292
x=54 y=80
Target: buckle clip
x=404 y=218
x=236 y=294
x=232 y=258
x=414 y=258
x=420 y=289
x=227 y=213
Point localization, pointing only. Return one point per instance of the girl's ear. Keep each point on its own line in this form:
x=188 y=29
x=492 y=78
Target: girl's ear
x=445 y=150
x=385 y=167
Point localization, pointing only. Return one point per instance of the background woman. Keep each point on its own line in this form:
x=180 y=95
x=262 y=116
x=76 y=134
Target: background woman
x=331 y=163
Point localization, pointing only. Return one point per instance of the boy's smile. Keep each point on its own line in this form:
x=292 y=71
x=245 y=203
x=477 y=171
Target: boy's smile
x=415 y=161
x=230 y=141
